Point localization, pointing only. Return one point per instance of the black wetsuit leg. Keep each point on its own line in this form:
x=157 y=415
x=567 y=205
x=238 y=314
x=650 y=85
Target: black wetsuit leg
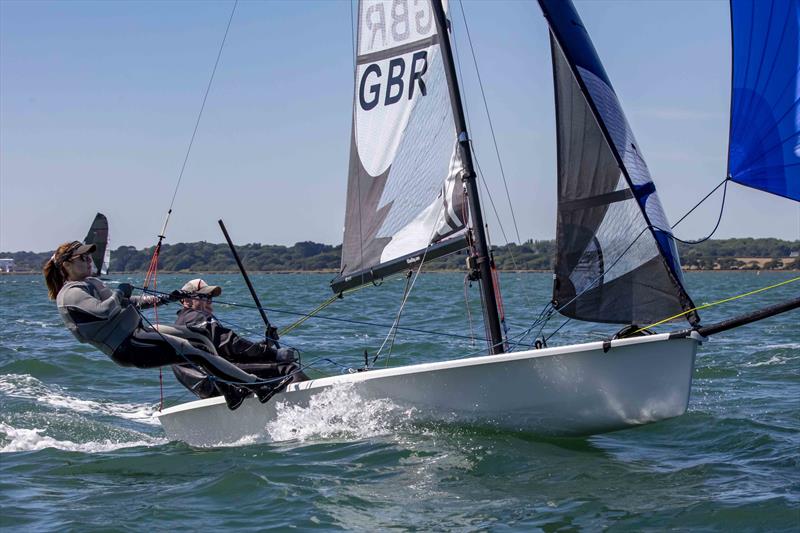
x=150 y=349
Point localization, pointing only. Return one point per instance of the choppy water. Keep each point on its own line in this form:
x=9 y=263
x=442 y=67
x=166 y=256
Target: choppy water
x=81 y=450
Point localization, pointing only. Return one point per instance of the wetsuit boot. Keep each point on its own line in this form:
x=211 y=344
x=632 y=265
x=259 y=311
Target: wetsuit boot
x=233 y=394
x=268 y=390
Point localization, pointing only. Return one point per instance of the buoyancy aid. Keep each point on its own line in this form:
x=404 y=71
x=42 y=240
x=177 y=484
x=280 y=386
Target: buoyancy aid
x=96 y=314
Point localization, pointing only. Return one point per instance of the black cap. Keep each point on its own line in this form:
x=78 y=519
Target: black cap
x=76 y=248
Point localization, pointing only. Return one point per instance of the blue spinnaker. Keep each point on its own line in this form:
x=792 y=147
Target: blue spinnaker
x=764 y=144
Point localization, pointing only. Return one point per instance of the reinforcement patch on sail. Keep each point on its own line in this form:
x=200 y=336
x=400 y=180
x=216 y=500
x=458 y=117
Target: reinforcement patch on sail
x=764 y=143
x=98 y=235
x=616 y=261
x=404 y=191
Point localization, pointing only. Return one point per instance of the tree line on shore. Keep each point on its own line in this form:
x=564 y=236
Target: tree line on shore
x=744 y=253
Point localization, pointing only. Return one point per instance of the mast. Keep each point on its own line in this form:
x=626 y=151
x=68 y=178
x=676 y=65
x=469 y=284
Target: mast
x=482 y=258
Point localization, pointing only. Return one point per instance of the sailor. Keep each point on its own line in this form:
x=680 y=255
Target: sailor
x=110 y=321
x=259 y=358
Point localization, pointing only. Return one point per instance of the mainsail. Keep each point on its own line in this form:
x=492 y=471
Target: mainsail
x=98 y=235
x=616 y=260
x=764 y=143
x=405 y=200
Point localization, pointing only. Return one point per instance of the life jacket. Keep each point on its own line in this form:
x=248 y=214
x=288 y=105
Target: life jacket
x=97 y=315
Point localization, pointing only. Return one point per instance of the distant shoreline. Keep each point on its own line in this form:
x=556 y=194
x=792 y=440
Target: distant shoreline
x=310 y=257
x=334 y=272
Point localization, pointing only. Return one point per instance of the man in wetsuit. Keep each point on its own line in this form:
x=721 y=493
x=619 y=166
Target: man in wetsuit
x=258 y=358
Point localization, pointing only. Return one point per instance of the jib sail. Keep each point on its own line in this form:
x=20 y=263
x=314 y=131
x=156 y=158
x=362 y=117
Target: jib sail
x=405 y=201
x=616 y=261
x=764 y=142
x=98 y=235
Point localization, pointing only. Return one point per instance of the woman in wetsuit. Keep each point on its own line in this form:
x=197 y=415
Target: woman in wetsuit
x=110 y=321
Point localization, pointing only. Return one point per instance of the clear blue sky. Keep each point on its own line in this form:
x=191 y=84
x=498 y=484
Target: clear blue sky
x=98 y=101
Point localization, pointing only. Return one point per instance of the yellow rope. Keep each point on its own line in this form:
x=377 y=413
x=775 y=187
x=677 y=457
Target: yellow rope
x=717 y=303
x=333 y=298
x=319 y=308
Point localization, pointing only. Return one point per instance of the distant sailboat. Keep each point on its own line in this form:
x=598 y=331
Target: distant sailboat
x=98 y=235
x=412 y=197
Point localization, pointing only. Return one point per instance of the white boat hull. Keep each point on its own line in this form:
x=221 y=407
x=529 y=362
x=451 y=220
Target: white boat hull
x=563 y=391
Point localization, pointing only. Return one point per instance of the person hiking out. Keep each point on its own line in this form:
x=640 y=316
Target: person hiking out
x=259 y=358
x=110 y=321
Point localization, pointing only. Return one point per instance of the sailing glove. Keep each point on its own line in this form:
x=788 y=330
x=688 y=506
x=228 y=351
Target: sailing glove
x=286 y=355
x=176 y=295
x=126 y=289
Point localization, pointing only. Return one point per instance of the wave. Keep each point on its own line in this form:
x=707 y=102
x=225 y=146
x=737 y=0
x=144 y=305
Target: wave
x=774 y=360
x=23 y=440
x=336 y=413
x=39 y=323
x=29 y=388
x=787 y=345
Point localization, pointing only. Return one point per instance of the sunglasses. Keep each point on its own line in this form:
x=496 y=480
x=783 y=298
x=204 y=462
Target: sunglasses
x=81 y=257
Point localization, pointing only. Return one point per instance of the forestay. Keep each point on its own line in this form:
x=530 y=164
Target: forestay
x=98 y=235
x=405 y=200
x=764 y=144
x=616 y=260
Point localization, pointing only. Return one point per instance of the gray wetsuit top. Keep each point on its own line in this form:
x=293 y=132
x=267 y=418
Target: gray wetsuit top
x=98 y=315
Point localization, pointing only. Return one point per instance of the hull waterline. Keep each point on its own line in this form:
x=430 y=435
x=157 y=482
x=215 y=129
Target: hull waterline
x=573 y=390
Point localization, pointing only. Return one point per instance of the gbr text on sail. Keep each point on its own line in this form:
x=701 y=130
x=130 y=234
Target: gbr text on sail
x=393 y=51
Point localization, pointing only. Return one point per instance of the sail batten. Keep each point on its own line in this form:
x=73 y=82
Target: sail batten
x=388 y=53
x=764 y=139
x=616 y=261
x=404 y=193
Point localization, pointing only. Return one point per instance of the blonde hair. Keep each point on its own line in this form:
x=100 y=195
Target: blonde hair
x=53 y=270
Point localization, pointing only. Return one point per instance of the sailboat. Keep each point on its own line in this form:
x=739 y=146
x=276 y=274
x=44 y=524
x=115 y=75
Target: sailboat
x=413 y=197
x=98 y=235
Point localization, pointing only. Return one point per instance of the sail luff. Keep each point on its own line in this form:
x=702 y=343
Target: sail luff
x=482 y=257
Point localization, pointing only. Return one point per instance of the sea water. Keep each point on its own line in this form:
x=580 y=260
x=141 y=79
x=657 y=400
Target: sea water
x=82 y=450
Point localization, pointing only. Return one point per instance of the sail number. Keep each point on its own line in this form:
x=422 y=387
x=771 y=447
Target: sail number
x=372 y=81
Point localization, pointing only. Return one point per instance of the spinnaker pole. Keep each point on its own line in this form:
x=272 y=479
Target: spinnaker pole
x=744 y=319
x=482 y=257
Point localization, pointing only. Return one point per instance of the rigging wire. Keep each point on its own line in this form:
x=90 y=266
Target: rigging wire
x=152 y=272
x=330 y=318
x=153 y=269
x=689 y=212
x=480 y=173
x=406 y=293
x=393 y=330
x=719 y=218
x=200 y=114
x=489 y=118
